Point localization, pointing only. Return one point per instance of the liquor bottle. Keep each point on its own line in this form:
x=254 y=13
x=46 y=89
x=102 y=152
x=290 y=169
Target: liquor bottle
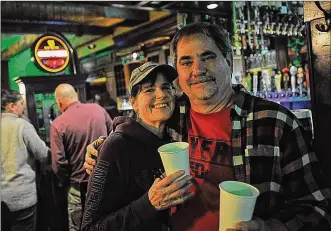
x=300 y=79
x=286 y=78
x=307 y=79
x=255 y=82
x=237 y=45
x=249 y=82
x=278 y=80
x=293 y=72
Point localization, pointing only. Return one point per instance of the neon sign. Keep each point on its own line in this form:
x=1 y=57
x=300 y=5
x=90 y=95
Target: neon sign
x=51 y=54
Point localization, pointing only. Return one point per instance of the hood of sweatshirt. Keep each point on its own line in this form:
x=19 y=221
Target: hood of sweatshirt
x=130 y=127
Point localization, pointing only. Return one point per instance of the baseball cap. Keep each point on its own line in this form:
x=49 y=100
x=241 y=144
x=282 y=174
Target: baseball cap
x=142 y=72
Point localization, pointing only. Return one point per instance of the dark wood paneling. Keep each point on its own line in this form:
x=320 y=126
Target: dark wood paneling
x=320 y=78
x=4 y=75
x=281 y=52
x=166 y=26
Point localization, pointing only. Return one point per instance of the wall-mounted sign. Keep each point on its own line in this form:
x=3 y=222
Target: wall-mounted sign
x=51 y=53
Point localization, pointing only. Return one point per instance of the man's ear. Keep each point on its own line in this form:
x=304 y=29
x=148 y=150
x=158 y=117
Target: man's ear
x=229 y=61
x=59 y=103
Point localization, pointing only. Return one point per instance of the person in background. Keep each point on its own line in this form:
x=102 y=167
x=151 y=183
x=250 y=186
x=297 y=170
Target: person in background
x=125 y=192
x=236 y=136
x=70 y=133
x=20 y=147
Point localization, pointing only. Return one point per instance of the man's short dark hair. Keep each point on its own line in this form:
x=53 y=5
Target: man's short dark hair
x=216 y=32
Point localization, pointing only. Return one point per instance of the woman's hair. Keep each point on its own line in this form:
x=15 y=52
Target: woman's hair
x=9 y=96
x=215 y=32
x=150 y=80
x=138 y=87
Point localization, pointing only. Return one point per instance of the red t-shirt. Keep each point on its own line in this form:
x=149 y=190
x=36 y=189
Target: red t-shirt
x=210 y=163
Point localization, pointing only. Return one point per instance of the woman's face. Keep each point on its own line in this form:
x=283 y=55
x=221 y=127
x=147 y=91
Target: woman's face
x=155 y=102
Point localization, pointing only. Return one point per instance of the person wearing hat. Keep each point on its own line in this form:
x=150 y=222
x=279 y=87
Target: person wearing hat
x=126 y=190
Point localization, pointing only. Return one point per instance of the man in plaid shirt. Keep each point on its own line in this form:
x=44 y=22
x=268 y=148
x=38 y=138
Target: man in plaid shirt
x=271 y=151
x=236 y=136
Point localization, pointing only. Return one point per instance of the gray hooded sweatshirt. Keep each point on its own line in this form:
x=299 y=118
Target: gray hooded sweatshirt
x=20 y=146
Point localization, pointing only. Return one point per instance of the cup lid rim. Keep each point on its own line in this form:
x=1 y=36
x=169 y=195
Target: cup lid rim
x=256 y=192
x=171 y=152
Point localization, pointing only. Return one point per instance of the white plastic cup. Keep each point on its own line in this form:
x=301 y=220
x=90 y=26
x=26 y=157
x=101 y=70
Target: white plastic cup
x=175 y=157
x=237 y=202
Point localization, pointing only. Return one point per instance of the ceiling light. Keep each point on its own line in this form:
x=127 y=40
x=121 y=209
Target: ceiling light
x=212 y=6
x=134 y=55
x=91 y=46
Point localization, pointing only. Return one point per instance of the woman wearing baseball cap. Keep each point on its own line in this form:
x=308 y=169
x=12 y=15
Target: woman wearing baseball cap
x=126 y=190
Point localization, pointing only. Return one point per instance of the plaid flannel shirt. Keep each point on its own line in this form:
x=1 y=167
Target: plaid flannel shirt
x=273 y=152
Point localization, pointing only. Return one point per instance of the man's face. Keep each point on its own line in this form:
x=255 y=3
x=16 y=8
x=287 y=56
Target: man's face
x=203 y=71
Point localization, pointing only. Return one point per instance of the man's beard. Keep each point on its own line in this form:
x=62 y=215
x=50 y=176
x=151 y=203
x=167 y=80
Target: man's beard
x=207 y=92
x=202 y=79
x=206 y=95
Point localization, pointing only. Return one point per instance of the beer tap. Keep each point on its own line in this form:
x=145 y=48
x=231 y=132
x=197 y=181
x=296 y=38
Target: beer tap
x=249 y=28
x=290 y=30
x=284 y=30
x=236 y=36
x=302 y=28
x=257 y=21
x=257 y=24
x=242 y=23
x=266 y=21
x=272 y=28
x=296 y=28
x=278 y=28
x=284 y=21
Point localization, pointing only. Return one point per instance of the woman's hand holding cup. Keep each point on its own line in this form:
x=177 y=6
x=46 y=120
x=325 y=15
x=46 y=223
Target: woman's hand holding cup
x=170 y=191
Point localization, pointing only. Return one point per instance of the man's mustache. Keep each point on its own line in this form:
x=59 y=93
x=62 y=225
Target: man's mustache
x=202 y=79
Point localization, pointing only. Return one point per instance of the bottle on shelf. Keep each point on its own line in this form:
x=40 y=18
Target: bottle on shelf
x=249 y=82
x=255 y=82
x=300 y=79
x=278 y=80
x=286 y=78
x=293 y=72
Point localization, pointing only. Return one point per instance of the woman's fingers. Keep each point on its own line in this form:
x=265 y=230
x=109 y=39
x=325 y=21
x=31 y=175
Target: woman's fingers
x=180 y=200
x=175 y=186
x=92 y=154
x=99 y=141
x=91 y=149
x=172 y=178
x=179 y=192
x=88 y=168
x=162 y=195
